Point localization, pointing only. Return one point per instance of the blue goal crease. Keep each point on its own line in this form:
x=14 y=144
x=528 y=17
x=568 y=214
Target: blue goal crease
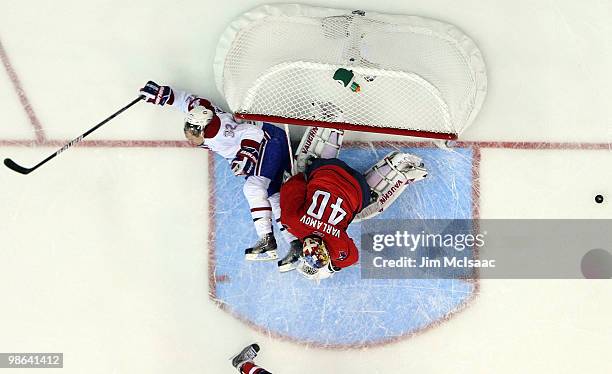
x=345 y=309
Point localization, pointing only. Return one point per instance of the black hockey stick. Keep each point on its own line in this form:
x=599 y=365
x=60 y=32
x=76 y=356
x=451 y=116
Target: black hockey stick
x=23 y=170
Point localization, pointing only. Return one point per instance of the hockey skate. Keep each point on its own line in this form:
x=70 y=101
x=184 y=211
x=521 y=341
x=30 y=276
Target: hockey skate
x=246 y=355
x=289 y=262
x=263 y=250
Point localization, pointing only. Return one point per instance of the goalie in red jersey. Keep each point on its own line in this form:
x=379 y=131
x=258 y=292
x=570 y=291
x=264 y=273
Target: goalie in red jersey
x=326 y=195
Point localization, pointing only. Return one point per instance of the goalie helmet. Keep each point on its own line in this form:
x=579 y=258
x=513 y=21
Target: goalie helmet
x=195 y=122
x=315 y=259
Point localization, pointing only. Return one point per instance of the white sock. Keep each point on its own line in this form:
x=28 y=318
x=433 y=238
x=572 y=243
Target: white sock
x=256 y=192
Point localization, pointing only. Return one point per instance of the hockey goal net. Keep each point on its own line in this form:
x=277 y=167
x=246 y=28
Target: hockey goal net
x=353 y=70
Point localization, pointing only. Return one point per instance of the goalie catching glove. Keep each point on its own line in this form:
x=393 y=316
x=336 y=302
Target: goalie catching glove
x=246 y=158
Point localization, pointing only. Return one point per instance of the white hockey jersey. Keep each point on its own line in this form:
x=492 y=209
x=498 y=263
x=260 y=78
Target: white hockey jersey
x=223 y=135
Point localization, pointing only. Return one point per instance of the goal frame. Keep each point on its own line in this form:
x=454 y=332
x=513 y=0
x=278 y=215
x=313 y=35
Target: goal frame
x=444 y=31
x=347 y=126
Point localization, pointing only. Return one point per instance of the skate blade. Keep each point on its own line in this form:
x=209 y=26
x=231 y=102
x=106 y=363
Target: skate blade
x=239 y=353
x=287 y=267
x=267 y=256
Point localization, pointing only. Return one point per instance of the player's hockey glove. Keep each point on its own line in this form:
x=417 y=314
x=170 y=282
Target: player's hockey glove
x=245 y=160
x=156 y=94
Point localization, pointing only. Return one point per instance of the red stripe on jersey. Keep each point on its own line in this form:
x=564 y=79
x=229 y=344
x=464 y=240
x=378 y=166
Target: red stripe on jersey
x=212 y=129
x=249 y=143
x=251 y=368
x=260 y=209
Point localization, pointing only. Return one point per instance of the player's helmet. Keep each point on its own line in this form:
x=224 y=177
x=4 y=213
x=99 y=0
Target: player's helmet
x=315 y=257
x=197 y=118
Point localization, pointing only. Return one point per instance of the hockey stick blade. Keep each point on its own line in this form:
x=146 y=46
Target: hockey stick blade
x=18 y=168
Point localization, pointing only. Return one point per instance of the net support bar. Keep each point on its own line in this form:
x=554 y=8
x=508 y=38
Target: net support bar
x=347 y=126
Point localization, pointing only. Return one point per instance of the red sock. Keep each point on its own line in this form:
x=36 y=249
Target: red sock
x=251 y=368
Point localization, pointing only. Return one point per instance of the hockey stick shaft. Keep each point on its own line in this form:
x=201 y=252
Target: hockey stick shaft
x=291 y=161
x=23 y=170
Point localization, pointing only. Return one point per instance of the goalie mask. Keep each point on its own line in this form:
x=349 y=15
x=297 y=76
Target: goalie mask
x=314 y=263
x=195 y=122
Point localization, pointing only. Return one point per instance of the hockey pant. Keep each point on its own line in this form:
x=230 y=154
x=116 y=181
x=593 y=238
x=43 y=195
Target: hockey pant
x=262 y=189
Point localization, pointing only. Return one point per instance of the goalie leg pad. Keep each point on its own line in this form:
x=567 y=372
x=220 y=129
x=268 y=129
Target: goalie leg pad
x=318 y=142
x=393 y=167
x=388 y=178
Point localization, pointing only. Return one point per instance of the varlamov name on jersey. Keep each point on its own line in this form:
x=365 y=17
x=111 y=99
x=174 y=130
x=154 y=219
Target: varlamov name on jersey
x=320 y=226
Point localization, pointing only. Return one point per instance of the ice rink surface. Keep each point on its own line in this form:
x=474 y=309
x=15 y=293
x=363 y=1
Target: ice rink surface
x=105 y=252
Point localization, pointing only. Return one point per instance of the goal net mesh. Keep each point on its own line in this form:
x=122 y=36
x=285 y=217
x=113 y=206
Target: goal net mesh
x=367 y=71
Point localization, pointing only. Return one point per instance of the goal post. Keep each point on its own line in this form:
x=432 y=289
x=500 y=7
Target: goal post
x=355 y=70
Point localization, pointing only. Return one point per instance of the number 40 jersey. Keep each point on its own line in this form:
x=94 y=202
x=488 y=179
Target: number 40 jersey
x=323 y=202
